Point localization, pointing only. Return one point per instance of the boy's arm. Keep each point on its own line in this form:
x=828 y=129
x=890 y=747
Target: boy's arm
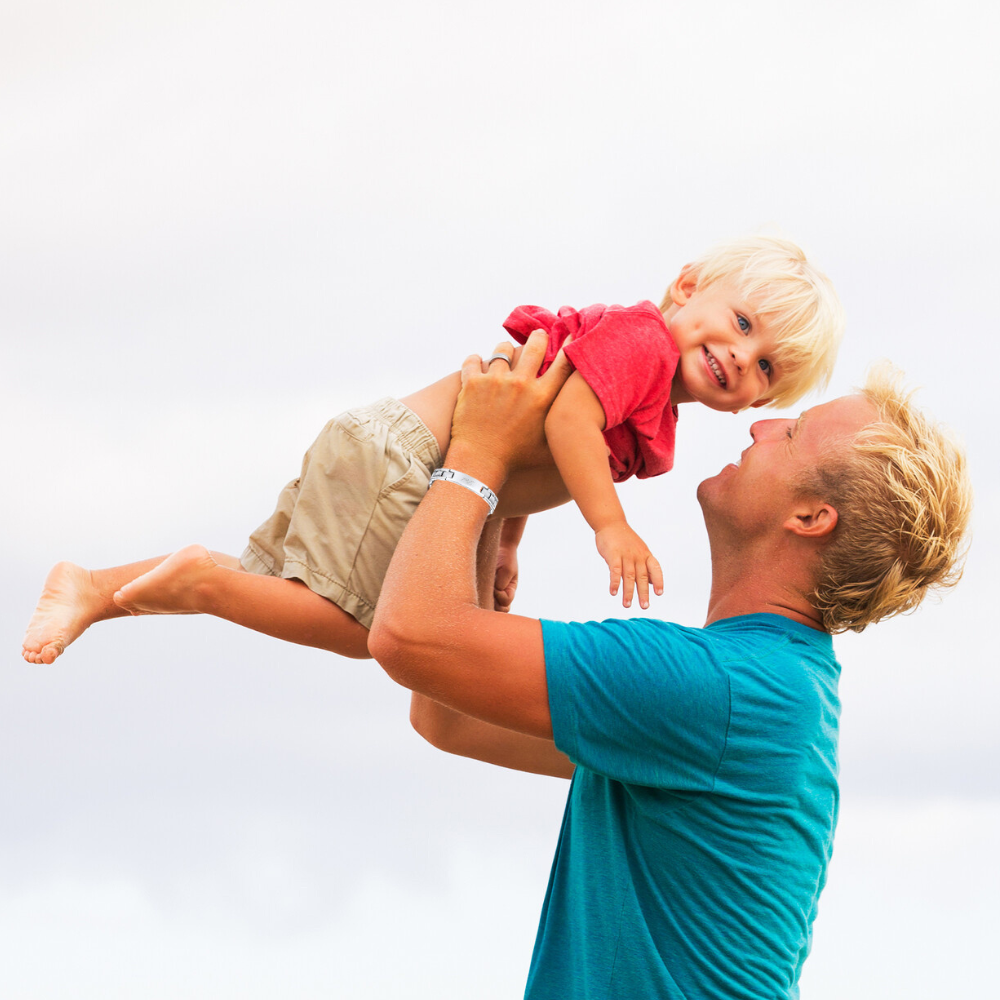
x=574 y=431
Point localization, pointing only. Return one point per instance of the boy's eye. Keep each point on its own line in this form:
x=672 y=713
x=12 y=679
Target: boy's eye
x=744 y=323
x=765 y=367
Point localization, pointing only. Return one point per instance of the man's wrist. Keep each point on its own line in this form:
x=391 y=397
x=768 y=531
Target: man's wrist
x=446 y=475
x=471 y=460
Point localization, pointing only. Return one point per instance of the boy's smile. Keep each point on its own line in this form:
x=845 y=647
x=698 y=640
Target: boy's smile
x=726 y=350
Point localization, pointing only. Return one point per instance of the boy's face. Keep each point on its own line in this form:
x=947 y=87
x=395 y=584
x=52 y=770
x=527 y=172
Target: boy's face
x=726 y=350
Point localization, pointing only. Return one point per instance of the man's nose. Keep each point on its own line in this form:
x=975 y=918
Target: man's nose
x=761 y=428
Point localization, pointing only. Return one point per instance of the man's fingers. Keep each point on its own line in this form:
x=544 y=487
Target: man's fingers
x=557 y=373
x=503 y=353
x=504 y=598
x=472 y=365
x=533 y=352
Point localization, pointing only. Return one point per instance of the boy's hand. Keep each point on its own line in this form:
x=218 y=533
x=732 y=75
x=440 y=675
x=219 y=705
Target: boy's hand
x=505 y=581
x=630 y=561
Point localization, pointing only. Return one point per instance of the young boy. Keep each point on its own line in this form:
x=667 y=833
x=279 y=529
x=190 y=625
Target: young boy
x=749 y=324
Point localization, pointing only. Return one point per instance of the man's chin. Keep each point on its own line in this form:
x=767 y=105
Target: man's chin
x=724 y=472
x=710 y=491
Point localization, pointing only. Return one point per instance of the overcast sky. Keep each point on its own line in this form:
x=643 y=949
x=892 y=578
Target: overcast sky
x=220 y=224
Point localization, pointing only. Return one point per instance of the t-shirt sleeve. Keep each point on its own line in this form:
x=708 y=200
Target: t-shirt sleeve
x=638 y=701
x=524 y=319
x=520 y=323
x=628 y=358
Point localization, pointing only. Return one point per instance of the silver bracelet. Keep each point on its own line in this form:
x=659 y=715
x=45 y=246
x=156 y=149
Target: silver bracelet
x=480 y=489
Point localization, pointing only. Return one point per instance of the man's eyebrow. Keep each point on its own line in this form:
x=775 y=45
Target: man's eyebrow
x=798 y=424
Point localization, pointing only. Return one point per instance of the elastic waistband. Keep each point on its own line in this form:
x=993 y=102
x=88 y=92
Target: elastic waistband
x=412 y=433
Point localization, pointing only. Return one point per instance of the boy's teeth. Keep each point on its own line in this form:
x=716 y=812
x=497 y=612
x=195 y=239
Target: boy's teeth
x=714 y=365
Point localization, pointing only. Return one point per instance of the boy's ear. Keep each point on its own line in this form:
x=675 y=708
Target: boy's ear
x=759 y=403
x=812 y=519
x=684 y=285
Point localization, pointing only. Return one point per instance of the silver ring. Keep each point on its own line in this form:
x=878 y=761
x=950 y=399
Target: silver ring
x=498 y=356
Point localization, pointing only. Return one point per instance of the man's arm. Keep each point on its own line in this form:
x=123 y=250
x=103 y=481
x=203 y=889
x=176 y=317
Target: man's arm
x=505 y=571
x=460 y=734
x=429 y=633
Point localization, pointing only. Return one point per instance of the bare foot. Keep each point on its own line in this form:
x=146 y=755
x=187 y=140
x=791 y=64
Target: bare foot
x=69 y=604
x=172 y=588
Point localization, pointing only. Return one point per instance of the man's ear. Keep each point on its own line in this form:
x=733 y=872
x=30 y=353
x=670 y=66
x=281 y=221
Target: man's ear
x=812 y=519
x=684 y=285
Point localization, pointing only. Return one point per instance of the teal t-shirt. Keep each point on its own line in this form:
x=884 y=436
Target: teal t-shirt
x=700 y=819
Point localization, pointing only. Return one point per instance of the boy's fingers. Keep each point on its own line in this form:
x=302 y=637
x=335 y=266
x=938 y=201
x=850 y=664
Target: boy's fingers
x=642 y=582
x=616 y=577
x=628 y=577
x=655 y=575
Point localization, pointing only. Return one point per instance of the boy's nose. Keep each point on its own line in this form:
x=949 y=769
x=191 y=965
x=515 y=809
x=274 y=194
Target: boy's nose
x=740 y=357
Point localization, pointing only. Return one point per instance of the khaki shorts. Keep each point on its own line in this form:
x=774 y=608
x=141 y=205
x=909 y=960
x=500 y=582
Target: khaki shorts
x=336 y=526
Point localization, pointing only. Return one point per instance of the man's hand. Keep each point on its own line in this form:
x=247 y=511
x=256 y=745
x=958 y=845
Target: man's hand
x=500 y=415
x=505 y=574
x=630 y=561
x=505 y=581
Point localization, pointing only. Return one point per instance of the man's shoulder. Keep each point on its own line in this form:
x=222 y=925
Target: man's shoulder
x=740 y=637
x=650 y=640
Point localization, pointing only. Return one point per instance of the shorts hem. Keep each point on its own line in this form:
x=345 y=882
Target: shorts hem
x=333 y=590
x=255 y=561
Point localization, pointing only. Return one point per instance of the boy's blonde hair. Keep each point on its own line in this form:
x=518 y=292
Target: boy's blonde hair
x=775 y=277
x=903 y=499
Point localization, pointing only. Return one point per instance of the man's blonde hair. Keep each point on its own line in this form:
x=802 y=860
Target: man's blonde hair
x=799 y=301
x=903 y=499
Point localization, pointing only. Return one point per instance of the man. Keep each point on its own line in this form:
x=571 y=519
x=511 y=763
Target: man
x=700 y=819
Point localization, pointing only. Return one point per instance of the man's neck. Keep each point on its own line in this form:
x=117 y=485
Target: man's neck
x=773 y=582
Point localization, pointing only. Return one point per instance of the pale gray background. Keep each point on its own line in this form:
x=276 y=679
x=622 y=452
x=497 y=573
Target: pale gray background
x=220 y=223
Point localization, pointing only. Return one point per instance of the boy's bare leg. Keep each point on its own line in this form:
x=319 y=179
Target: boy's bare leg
x=195 y=581
x=73 y=598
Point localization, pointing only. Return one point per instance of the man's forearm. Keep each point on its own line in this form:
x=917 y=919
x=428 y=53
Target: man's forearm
x=460 y=734
x=513 y=531
x=429 y=633
x=438 y=549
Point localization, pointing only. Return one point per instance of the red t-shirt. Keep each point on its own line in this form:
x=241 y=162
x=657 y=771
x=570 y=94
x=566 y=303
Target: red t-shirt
x=627 y=356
